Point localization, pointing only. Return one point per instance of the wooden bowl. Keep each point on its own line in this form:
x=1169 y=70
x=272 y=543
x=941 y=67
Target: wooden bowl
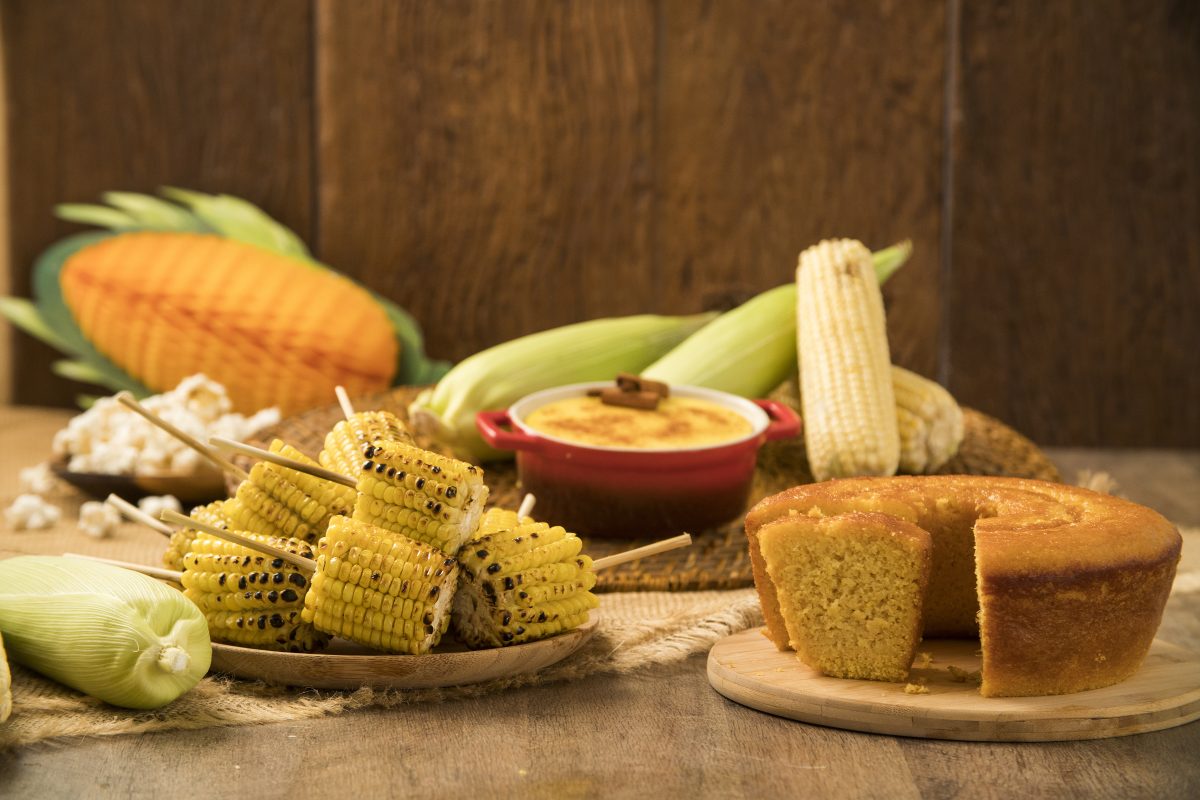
x=191 y=490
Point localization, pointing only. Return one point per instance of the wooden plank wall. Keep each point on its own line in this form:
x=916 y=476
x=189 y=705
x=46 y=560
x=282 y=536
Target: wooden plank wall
x=502 y=167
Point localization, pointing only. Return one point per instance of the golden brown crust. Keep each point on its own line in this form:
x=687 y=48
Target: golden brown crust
x=1071 y=583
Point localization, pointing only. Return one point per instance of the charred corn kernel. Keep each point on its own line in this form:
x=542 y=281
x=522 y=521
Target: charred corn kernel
x=216 y=514
x=845 y=371
x=249 y=598
x=272 y=329
x=521 y=583
x=929 y=420
x=380 y=589
x=421 y=495
x=344 y=444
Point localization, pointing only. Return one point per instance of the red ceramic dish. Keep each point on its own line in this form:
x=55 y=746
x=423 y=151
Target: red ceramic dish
x=624 y=492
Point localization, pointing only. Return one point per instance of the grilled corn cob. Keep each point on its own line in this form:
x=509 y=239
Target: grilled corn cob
x=216 y=514
x=344 y=444
x=380 y=589
x=421 y=495
x=849 y=405
x=521 y=582
x=277 y=501
x=929 y=420
x=249 y=598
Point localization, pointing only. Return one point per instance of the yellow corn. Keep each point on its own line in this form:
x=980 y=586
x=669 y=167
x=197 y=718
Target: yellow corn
x=216 y=514
x=420 y=495
x=849 y=404
x=278 y=501
x=379 y=589
x=249 y=598
x=344 y=444
x=929 y=420
x=274 y=330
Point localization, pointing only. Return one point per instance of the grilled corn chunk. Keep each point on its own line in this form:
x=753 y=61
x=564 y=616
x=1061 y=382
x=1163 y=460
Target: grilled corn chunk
x=380 y=589
x=930 y=422
x=849 y=405
x=278 y=501
x=249 y=598
x=344 y=444
x=216 y=514
x=421 y=495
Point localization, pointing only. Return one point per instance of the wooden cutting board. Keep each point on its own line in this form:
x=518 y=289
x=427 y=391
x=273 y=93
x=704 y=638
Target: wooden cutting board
x=1164 y=693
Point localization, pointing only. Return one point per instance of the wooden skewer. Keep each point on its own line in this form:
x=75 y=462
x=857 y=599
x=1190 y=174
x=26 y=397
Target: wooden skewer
x=153 y=572
x=344 y=401
x=682 y=540
x=526 y=506
x=126 y=399
x=221 y=443
x=232 y=536
x=135 y=514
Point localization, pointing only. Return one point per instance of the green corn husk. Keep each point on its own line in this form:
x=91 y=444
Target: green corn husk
x=113 y=634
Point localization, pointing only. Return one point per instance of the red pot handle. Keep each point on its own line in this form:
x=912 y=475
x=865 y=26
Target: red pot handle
x=498 y=431
x=785 y=423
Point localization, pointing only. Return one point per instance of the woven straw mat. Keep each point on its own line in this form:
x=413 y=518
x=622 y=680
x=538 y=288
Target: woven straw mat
x=717 y=559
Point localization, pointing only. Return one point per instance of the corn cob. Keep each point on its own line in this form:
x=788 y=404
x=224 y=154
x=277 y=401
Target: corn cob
x=249 y=598
x=381 y=590
x=849 y=404
x=421 y=495
x=930 y=422
x=520 y=583
x=274 y=330
x=344 y=444
x=278 y=501
x=216 y=514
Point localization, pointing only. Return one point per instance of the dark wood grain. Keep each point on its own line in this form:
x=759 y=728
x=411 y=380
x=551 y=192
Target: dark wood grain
x=781 y=124
x=113 y=94
x=488 y=165
x=1076 y=258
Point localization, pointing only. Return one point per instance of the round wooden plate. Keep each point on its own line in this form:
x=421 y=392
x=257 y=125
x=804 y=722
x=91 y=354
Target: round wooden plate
x=346 y=666
x=1164 y=693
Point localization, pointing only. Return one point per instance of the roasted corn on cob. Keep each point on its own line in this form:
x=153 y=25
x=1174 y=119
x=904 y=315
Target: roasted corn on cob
x=344 y=444
x=929 y=420
x=278 y=501
x=849 y=405
x=249 y=598
x=380 y=589
x=521 y=582
x=216 y=514
x=421 y=495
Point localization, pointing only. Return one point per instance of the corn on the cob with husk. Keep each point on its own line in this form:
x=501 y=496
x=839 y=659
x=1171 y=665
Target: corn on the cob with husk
x=343 y=451
x=121 y=637
x=496 y=377
x=248 y=598
x=845 y=369
x=278 y=501
x=380 y=589
x=421 y=495
x=521 y=582
x=930 y=422
x=752 y=349
x=5 y=684
x=216 y=514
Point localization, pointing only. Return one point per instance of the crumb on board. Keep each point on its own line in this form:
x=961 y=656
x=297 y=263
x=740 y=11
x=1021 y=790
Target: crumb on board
x=923 y=660
x=918 y=687
x=960 y=675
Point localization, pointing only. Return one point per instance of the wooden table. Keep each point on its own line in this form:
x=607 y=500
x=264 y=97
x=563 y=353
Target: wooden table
x=663 y=732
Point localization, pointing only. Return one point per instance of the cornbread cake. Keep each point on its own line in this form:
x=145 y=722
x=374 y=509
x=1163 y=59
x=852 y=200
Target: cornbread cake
x=1065 y=587
x=850 y=590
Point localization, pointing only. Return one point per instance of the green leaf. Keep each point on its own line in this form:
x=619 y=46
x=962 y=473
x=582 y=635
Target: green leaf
x=86 y=401
x=79 y=371
x=890 y=259
x=101 y=216
x=238 y=219
x=414 y=367
x=151 y=213
x=25 y=315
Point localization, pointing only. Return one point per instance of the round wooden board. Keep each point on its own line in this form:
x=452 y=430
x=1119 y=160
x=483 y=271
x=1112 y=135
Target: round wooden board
x=346 y=667
x=1164 y=693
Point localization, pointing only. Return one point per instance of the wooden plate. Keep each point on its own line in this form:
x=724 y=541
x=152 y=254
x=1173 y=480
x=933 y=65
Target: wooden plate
x=1164 y=693
x=188 y=489
x=346 y=666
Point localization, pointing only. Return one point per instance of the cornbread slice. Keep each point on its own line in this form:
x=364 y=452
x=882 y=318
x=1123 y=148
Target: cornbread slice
x=851 y=590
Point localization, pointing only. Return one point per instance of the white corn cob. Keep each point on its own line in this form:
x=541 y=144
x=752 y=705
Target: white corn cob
x=845 y=370
x=930 y=422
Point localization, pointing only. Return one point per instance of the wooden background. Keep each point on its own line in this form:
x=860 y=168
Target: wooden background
x=498 y=168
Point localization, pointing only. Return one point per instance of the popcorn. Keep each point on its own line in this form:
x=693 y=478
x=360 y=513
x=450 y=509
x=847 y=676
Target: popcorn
x=156 y=504
x=38 y=479
x=97 y=519
x=109 y=438
x=30 y=512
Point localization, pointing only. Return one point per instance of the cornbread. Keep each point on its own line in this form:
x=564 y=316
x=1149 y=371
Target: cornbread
x=1069 y=585
x=850 y=590
x=677 y=422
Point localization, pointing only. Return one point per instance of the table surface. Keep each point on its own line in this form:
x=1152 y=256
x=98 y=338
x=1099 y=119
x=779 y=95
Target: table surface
x=664 y=731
